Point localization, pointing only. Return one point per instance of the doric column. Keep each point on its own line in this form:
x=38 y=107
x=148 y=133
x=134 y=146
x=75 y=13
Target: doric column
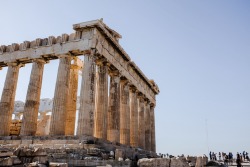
x=8 y=98
x=124 y=113
x=114 y=108
x=73 y=86
x=30 y=114
x=147 y=126
x=141 y=122
x=59 y=110
x=152 y=122
x=133 y=117
x=101 y=100
x=87 y=97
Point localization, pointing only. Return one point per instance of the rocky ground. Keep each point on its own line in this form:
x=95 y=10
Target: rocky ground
x=66 y=151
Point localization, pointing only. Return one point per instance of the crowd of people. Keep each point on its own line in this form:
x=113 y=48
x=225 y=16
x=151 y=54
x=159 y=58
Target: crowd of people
x=229 y=158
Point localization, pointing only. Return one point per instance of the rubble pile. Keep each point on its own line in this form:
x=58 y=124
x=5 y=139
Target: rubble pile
x=174 y=162
x=66 y=151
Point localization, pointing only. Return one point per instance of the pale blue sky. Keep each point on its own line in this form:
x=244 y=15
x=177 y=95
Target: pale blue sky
x=198 y=52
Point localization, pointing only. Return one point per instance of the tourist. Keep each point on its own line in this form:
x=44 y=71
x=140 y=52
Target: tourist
x=112 y=154
x=226 y=160
x=210 y=155
x=247 y=158
x=238 y=160
x=244 y=155
x=230 y=158
x=214 y=156
x=219 y=156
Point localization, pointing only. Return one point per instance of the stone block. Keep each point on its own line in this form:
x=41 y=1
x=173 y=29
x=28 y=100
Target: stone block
x=5 y=153
x=15 y=142
x=6 y=161
x=93 y=151
x=178 y=163
x=26 y=142
x=50 y=141
x=90 y=146
x=14 y=132
x=119 y=154
x=40 y=159
x=145 y=162
x=55 y=164
x=16 y=160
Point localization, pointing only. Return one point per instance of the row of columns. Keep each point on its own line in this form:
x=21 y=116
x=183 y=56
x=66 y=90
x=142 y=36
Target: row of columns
x=118 y=114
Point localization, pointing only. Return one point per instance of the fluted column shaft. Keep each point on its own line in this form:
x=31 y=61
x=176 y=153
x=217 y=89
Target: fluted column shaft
x=71 y=108
x=133 y=117
x=8 y=99
x=87 y=97
x=101 y=100
x=114 y=108
x=59 y=110
x=30 y=114
x=152 y=121
x=147 y=126
x=141 y=123
x=124 y=113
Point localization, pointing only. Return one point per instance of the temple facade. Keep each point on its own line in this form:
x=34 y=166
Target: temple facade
x=116 y=100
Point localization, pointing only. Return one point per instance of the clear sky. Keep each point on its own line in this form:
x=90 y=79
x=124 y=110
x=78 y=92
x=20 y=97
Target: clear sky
x=198 y=52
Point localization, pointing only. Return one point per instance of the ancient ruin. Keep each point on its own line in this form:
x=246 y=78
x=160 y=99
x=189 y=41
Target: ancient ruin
x=116 y=103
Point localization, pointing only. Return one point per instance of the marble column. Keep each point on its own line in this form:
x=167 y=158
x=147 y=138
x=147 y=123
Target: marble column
x=141 y=122
x=124 y=113
x=152 y=122
x=114 y=108
x=101 y=100
x=30 y=114
x=72 y=101
x=8 y=98
x=133 y=117
x=87 y=97
x=59 y=110
x=147 y=126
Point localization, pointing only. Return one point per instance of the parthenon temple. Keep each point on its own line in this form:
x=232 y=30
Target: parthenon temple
x=116 y=100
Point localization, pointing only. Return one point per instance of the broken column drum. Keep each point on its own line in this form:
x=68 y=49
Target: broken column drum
x=117 y=100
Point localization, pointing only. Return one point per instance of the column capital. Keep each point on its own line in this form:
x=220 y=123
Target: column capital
x=152 y=105
x=77 y=65
x=132 y=88
x=146 y=101
x=141 y=97
x=101 y=61
x=15 y=64
x=40 y=61
x=124 y=81
x=114 y=73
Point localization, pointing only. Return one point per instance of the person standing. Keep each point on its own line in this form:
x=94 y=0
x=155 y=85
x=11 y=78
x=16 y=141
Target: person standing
x=238 y=160
x=226 y=160
x=244 y=155
x=219 y=156
x=247 y=156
